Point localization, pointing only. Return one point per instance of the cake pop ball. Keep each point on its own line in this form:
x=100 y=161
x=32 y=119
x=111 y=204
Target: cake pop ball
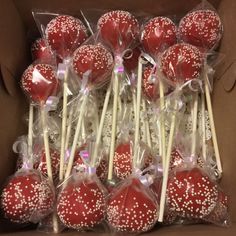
x=118 y=29
x=93 y=58
x=192 y=194
x=158 y=34
x=39 y=82
x=27 y=197
x=201 y=28
x=64 y=34
x=181 y=63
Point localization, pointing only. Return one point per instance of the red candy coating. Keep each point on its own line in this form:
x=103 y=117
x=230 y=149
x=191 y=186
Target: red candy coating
x=202 y=28
x=39 y=82
x=132 y=208
x=158 y=34
x=192 y=194
x=150 y=88
x=64 y=34
x=81 y=204
x=131 y=59
x=118 y=29
x=94 y=58
x=40 y=50
x=181 y=63
x=55 y=162
x=27 y=197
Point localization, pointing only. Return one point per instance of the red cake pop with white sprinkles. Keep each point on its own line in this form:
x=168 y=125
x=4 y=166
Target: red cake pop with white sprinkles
x=132 y=208
x=192 y=194
x=158 y=34
x=41 y=50
x=39 y=82
x=119 y=29
x=150 y=88
x=94 y=58
x=81 y=203
x=27 y=197
x=55 y=161
x=64 y=34
x=202 y=28
x=181 y=63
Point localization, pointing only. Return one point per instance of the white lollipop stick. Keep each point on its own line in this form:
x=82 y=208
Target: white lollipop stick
x=162 y=122
x=101 y=124
x=212 y=123
x=147 y=127
x=203 y=126
x=114 y=125
x=194 y=124
x=137 y=120
x=167 y=164
x=69 y=127
x=63 y=126
x=46 y=143
x=76 y=136
x=30 y=130
x=134 y=104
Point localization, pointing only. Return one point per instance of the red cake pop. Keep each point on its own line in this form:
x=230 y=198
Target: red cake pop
x=94 y=58
x=41 y=50
x=132 y=208
x=27 y=198
x=192 y=194
x=176 y=159
x=158 y=34
x=202 y=28
x=131 y=60
x=181 y=63
x=39 y=82
x=64 y=34
x=55 y=161
x=150 y=88
x=118 y=29
x=81 y=204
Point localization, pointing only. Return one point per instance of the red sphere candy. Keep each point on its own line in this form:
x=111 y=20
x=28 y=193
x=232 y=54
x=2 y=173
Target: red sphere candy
x=132 y=208
x=150 y=87
x=27 y=198
x=81 y=204
x=202 y=28
x=192 y=194
x=158 y=34
x=39 y=82
x=118 y=29
x=41 y=50
x=94 y=58
x=55 y=162
x=64 y=34
x=131 y=59
x=181 y=63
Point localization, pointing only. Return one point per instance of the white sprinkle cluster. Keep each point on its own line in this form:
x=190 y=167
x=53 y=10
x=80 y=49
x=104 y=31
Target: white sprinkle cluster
x=158 y=34
x=176 y=158
x=41 y=45
x=95 y=58
x=123 y=160
x=182 y=62
x=132 y=209
x=81 y=205
x=27 y=198
x=192 y=194
x=201 y=28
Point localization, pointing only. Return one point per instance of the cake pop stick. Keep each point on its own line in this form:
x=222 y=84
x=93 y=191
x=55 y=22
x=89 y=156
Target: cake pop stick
x=180 y=63
x=30 y=129
x=203 y=125
x=194 y=127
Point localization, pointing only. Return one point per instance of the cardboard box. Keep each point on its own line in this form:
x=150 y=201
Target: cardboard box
x=16 y=30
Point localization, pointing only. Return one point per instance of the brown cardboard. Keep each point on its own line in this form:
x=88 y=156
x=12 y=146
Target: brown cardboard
x=16 y=23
